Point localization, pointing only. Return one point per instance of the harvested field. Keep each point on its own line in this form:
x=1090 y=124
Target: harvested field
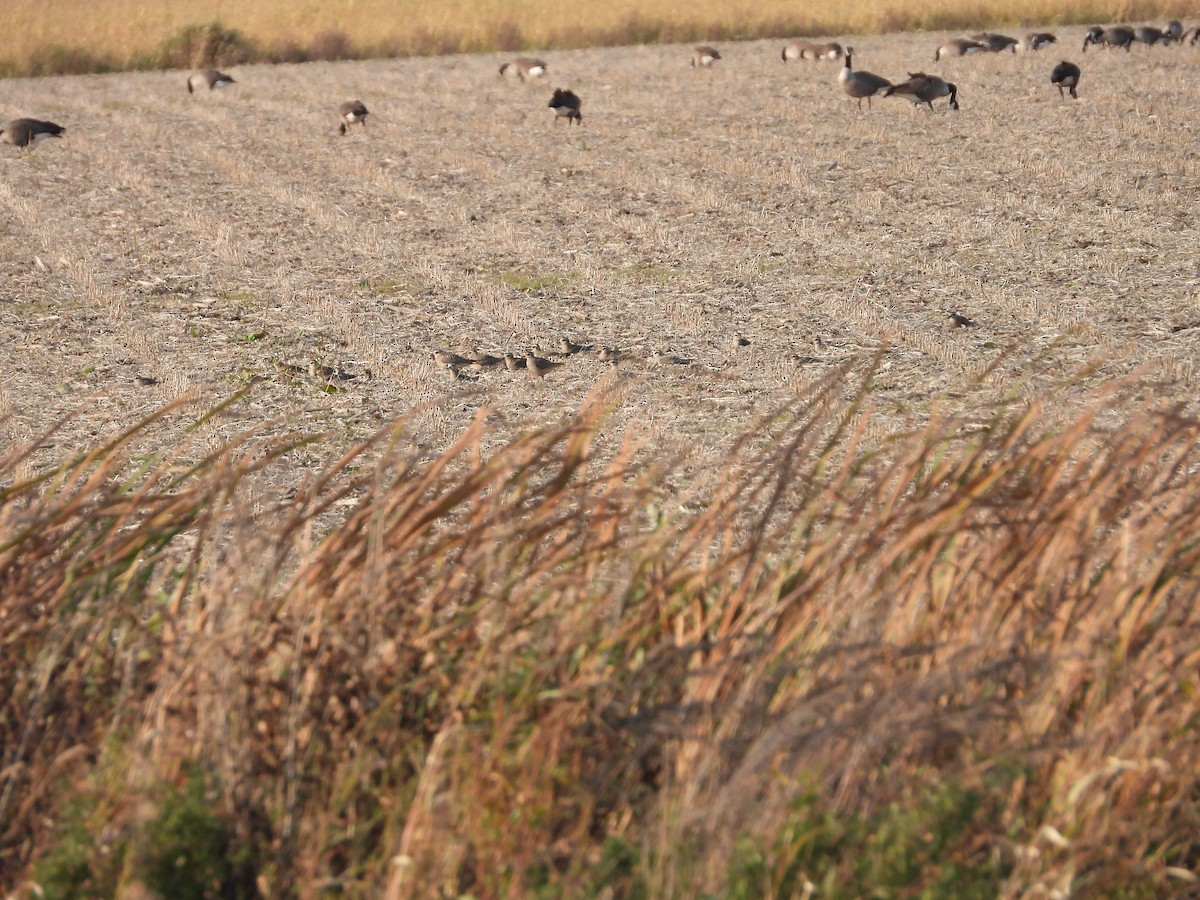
x=424 y=668
x=212 y=241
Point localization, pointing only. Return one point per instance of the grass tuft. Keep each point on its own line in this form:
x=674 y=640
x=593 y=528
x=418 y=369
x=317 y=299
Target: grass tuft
x=959 y=665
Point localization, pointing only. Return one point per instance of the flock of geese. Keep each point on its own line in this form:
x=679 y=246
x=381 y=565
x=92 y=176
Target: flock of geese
x=920 y=88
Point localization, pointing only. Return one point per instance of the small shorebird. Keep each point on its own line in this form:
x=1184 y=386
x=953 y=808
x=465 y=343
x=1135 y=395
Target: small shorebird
x=350 y=112
x=539 y=366
x=23 y=132
x=209 y=78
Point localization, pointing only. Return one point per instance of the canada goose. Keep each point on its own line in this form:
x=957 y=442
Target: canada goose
x=23 y=132
x=1117 y=36
x=539 y=366
x=566 y=105
x=350 y=112
x=704 y=56
x=1037 y=40
x=1066 y=75
x=959 y=47
x=524 y=67
x=997 y=43
x=860 y=84
x=1192 y=35
x=921 y=88
x=209 y=78
x=1150 y=36
x=809 y=50
x=1174 y=30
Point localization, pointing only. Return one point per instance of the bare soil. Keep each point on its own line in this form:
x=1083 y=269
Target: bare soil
x=174 y=243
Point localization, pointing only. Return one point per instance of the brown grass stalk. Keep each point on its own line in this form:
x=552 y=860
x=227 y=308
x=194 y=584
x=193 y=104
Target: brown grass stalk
x=536 y=669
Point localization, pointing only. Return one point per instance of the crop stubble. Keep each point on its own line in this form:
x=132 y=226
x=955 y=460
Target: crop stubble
x=200 y=241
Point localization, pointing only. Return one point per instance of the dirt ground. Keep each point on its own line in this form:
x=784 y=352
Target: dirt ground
x=176 y=243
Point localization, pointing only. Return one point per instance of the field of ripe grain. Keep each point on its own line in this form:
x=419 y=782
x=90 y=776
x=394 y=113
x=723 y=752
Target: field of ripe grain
x=45 y=37
x=176 y=243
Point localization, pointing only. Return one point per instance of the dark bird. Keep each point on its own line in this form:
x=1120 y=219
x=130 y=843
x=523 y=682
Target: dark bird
x=23 y=132
x=704 y=56
x=1117 y=36
x=1066 y=75
x=209 y=78
x=566 y=105
x=350 y=112
x=860 y=84
x=959 y=47
x=921 y=88
x=1150 y=36
x=1037 y=40
x=524 y=67
x=996 y=43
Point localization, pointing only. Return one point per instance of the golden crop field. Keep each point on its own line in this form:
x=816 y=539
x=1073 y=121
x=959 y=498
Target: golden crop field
x=852 y=552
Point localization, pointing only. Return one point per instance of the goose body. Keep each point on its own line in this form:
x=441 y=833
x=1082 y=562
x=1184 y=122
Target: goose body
x=566 y=105
x=23 y=132
x=996 y=43
x=1174 y=31
x=1150 y=36
x=860 y=85
x=524 y=68
x=959 y=47
x=208 y=78
x=1037 y=40
x=1066 y=75
x=350 y=112
x=1118 y=36
x=921 y=88
x=704 y=57
x=809 y=50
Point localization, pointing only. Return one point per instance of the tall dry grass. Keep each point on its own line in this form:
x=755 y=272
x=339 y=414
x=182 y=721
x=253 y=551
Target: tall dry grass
x=964 y=663
x=73 y=35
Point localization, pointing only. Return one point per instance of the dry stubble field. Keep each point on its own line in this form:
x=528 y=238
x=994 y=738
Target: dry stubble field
x=207 y=242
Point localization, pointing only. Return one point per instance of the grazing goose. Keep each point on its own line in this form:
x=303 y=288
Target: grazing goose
x=1150 y=36
x=350 y=112
x=704 y=56
x=1066 y=75
x=566 y=105
x=209 y=78
x=524 y=67
x=809 y=50
x=959 y=47
x=921 y=88
x=1192 y=35
x=860 y=84
x=23 y=132
x=1174 y=31
x=1037 y=40
x=1117 y=36
x=996 y=43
